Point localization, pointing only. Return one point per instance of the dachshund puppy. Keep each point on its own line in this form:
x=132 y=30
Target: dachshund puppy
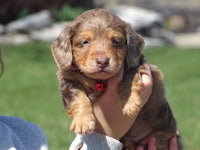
x=92 y=49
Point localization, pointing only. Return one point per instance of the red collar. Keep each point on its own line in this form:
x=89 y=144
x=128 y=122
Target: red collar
x=74 y=68
x=99 y=85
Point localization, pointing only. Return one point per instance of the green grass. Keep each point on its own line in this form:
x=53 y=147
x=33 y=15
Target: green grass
x=29 y=90
x=182 y=78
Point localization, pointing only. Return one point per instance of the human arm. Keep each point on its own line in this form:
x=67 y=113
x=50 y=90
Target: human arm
x=108 y=111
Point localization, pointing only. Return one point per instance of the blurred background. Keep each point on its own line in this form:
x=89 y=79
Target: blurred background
x=24 y=20
x=29 y=88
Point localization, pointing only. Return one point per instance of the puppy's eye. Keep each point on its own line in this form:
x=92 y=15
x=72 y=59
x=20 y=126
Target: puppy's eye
x=84 y=42
x=115 y=42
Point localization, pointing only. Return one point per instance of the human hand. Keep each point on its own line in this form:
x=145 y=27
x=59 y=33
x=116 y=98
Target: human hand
x=108 y=112
x=173 y=145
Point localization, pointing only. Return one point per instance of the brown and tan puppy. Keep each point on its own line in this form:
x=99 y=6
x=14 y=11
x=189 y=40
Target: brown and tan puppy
x=92 y=49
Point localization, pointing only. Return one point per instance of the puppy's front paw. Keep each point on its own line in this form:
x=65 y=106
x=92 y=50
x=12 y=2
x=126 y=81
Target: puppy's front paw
x=132 y=107
x=128 y=110
x=83 y=124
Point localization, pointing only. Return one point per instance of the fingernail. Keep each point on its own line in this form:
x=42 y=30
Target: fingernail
x=152 y=143
x=174 y=140
x=140 y=147
x=153 y=140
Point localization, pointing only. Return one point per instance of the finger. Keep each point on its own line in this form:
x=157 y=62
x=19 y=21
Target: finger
x=152 y=144
x=146 y=76
x=140 y=147
x=147 y=69
x=147 y=83
x=173 y=143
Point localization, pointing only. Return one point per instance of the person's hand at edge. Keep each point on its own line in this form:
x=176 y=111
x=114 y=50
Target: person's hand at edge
x=173 y=145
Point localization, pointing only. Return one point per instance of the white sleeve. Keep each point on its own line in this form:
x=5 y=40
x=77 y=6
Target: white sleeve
x=95 y=141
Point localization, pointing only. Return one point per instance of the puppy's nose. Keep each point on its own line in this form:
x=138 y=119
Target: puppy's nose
x=102 y=62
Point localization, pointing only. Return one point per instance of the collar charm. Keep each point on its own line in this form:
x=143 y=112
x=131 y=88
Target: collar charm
x=100 y=86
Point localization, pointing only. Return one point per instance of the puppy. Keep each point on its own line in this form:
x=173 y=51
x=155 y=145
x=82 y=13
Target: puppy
x=92 y=49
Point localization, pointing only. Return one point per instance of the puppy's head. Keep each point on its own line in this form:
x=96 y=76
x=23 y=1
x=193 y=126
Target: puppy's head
x=99 y=43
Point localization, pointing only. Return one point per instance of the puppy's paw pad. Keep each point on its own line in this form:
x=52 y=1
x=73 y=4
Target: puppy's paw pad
x=83 y=125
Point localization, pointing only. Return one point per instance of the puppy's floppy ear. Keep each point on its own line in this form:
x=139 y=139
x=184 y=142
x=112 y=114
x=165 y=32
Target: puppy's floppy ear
x=135 y=44
x=61 y=49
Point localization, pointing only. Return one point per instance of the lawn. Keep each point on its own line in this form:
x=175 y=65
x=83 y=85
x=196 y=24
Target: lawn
x=29 y=90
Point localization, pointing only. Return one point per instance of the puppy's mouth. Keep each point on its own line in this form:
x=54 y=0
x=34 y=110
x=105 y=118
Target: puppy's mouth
x=97 y=73
x=102 y=71
x=101 y=74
